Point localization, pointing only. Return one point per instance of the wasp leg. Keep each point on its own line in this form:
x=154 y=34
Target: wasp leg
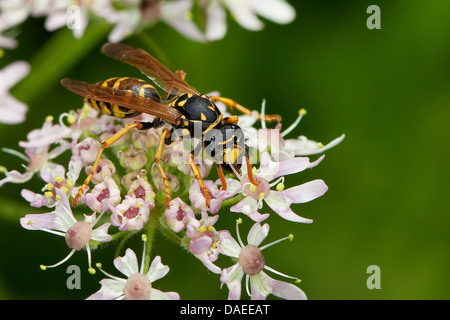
x=165 y=134
x=222 y=177
x=106 y=144
x=251 y=177
x=198 y=176
x=233 y=104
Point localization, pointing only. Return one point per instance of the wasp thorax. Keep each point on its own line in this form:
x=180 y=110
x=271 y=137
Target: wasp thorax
x=137 y=287
x=251 y=260
x=257 y=192
x=79 y=235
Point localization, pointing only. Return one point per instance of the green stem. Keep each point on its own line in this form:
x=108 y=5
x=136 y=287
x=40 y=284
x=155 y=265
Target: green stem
x=168 y=233
x=151 y=226
x=232 y=201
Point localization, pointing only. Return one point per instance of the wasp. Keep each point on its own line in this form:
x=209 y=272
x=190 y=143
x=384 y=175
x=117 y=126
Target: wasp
x=183 y=109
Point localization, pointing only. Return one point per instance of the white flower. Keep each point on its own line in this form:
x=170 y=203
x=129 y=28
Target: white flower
x=12 y=111
x=280 y=199
x=251 y=262
x=62 y=223
x=246 y=13
x=137 y=285
x=38 y=153
x=204 y=240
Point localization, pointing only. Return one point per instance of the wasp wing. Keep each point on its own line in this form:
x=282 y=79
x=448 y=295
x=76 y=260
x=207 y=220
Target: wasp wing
x=123 y=98
x=149 y=65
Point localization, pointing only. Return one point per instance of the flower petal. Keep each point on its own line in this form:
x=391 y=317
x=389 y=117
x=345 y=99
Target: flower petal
x=249 y=207
x=283 y=289
x=278 y=11
x=110 y=290
x=227 y=245
x=156 y=294
x=258 y=287
x=128 y=264
x=200 y=245
x=101 y=233
x=232 y=277
x=257 y=234
x=157 y=270
x=281 y=205
x=306 y=192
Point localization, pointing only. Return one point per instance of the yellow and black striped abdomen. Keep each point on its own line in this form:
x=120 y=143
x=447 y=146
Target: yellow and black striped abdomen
x=137 y=86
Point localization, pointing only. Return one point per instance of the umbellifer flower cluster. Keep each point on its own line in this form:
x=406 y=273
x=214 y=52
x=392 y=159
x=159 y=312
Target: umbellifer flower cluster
x=127 y=195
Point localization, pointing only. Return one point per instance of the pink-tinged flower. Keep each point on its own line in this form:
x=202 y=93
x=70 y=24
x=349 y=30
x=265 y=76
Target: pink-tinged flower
x=62 y=222
x=204 y=240
x=178 y=215
x=86 y=151
x=273 y=139
x=137 y=285
x=103 y=195
x=251 y=263
x=178 y=152
x=73 y=15
x=105 y=168
x=198 y=199
x=302 y=146
x=142 y=189
x=279 y=200
x=12 y=13
x=132 y=159
x=12 y=111
x=55 y=177
x=38 y=154
x=131 y=214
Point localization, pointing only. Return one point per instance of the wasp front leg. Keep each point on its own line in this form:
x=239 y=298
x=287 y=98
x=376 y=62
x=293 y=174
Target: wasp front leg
x=106 y=144
x=233 y=104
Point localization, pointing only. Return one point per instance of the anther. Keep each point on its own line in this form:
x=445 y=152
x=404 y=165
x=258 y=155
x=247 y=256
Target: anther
x=280 y=186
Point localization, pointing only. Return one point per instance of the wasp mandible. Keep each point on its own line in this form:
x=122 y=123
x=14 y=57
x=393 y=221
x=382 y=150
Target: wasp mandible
x=183 y=108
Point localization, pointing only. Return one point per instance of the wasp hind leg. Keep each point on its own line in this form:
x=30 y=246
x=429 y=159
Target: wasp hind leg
x=163 y=140
x=106 y=144
x=233 y=104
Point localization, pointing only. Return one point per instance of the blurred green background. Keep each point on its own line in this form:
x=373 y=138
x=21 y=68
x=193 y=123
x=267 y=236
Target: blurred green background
x=387 y=90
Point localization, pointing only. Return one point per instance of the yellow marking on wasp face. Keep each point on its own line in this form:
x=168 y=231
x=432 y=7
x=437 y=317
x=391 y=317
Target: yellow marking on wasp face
x=202 y=116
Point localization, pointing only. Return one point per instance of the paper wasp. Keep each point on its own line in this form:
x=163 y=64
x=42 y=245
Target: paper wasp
x=184 y=108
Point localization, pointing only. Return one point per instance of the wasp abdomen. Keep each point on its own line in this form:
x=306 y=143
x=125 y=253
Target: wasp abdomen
x=134 y=85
